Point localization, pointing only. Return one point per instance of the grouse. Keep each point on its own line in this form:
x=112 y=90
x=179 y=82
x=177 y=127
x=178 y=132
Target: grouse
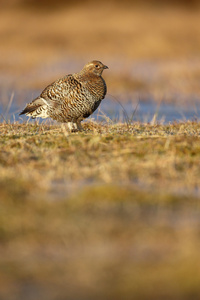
x=71 y=98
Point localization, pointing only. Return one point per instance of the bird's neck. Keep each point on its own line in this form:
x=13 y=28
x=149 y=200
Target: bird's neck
x=84 y=76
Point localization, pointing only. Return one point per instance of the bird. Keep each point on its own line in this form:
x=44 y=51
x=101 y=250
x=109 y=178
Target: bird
x=71 y=98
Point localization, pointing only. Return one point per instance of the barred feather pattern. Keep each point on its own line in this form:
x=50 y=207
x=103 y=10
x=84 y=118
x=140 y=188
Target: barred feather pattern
x=72 y=97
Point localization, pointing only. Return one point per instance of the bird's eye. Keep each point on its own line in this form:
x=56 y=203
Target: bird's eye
x=96 y=66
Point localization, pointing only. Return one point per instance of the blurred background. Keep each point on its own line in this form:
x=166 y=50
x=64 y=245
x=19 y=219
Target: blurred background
x=63 y=235
x=152 y=47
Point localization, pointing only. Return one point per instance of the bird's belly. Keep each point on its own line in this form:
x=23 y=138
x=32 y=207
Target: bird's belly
x=83 y=109
x=74 y=109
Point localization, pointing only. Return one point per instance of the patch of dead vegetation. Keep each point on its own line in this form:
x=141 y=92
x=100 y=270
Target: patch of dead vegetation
x=98 y=208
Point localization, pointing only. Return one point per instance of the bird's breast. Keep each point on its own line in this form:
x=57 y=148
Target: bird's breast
x=96 y=86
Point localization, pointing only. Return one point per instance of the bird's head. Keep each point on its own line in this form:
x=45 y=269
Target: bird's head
x=96 y=67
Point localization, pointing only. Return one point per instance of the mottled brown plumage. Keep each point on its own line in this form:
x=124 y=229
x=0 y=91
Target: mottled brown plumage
x=71 y=98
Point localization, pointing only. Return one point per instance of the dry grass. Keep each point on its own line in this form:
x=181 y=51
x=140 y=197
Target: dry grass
x=108 y=213
x=157 y=154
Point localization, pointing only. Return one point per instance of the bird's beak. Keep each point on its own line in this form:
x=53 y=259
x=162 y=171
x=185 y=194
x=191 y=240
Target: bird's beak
x=105 y=67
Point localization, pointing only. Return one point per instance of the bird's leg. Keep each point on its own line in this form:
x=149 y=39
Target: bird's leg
x=78 y=123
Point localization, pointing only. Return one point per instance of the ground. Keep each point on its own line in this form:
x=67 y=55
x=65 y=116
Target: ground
x=104 y=212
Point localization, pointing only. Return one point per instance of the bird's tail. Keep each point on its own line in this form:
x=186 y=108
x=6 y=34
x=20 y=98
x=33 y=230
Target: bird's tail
x=37 y=108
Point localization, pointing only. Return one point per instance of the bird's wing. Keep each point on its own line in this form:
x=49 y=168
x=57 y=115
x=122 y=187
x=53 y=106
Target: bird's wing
x=60 y=90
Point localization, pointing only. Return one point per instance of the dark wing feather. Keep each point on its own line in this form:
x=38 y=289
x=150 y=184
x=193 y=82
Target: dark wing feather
x=35 y=104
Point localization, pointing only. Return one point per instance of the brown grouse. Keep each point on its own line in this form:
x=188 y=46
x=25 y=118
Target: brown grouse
x=71 y=98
